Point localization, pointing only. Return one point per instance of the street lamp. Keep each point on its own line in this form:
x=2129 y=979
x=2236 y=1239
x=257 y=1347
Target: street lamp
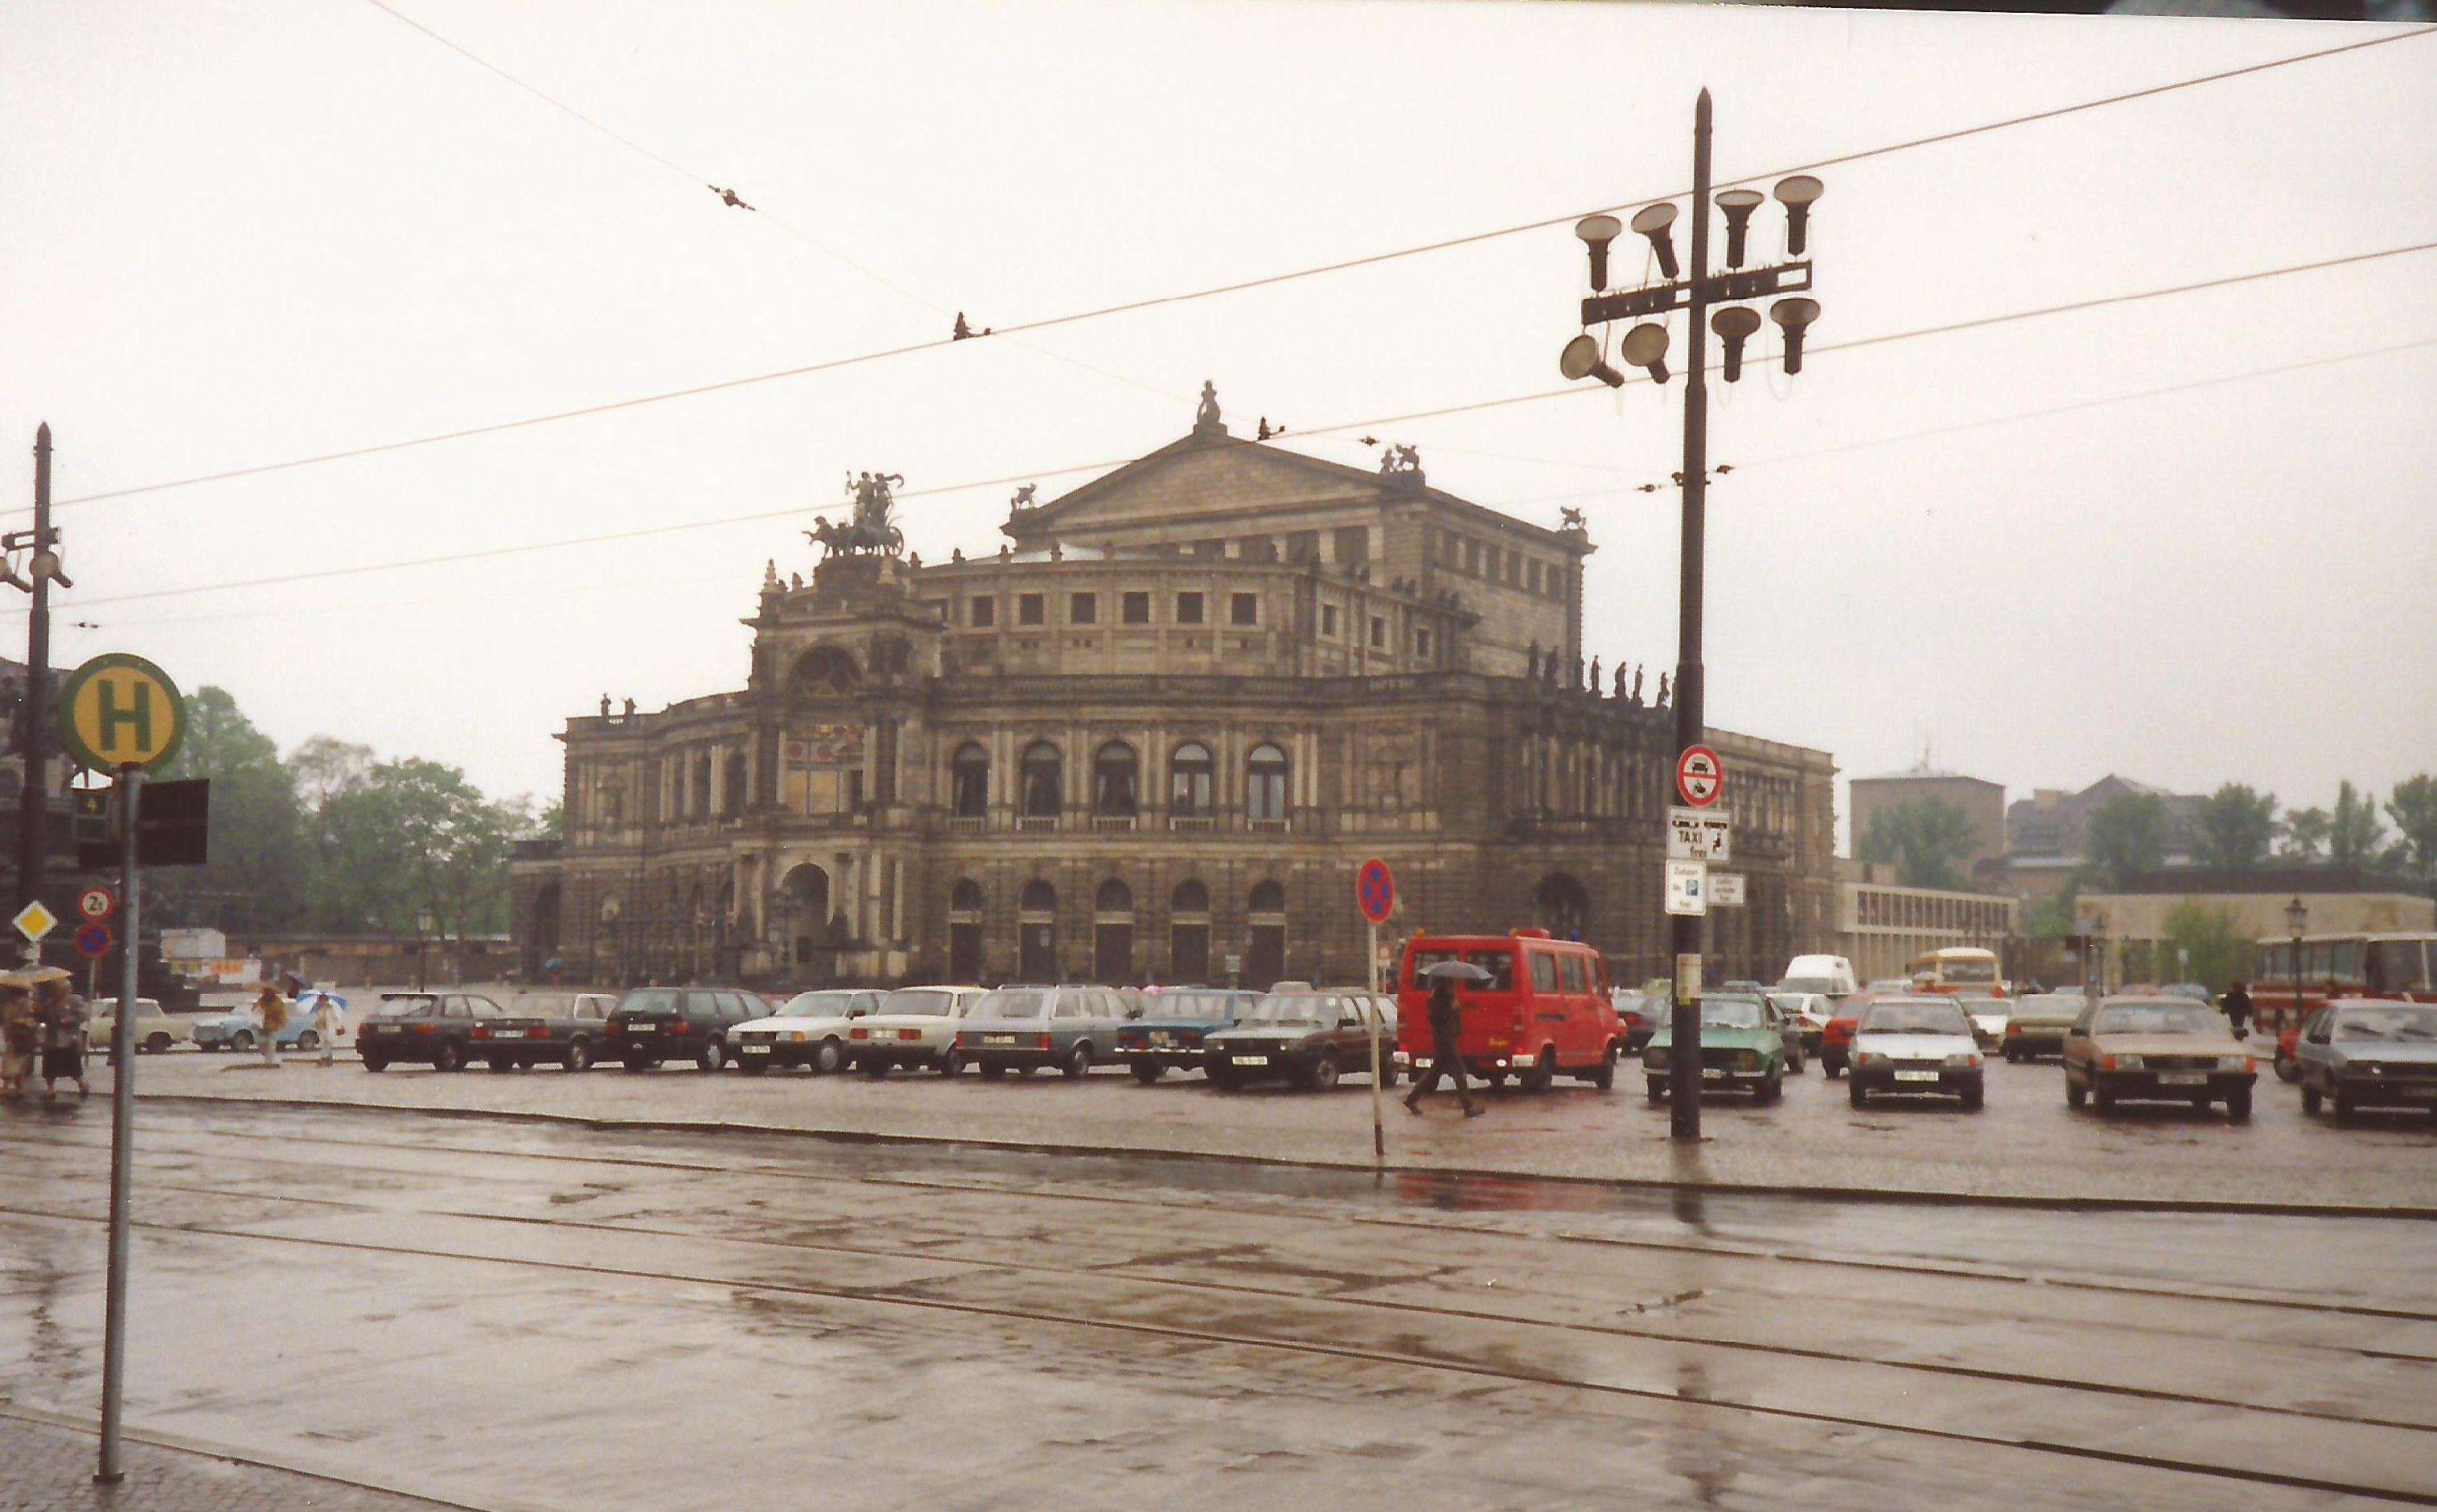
x=1645 y=346
x=422 y=928
x=2297 y=914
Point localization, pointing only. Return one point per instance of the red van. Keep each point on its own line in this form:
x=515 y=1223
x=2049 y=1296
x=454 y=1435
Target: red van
x=1543 y=1014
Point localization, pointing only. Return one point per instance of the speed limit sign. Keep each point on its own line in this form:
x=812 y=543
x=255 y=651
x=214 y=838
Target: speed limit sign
x=97 y=903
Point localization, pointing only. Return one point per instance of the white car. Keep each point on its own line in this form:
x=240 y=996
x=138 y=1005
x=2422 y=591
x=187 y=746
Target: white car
x=810 y=1030
x=1810 y=1013
x=1989 y=1016
x=1916 y=1044
x=914 y=1025
x=155 y=1030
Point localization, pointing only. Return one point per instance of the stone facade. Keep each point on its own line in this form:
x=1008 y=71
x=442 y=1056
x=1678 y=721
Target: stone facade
x=1150 y=739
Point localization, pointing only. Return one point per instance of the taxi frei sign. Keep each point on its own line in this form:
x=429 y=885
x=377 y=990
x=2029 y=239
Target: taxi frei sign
x=121 y=710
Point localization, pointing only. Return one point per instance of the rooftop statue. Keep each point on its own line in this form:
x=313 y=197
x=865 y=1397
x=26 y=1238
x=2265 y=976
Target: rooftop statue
x=869 y=532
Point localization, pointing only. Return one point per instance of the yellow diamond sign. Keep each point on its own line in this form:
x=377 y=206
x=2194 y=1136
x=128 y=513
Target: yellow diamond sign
x=34 y=920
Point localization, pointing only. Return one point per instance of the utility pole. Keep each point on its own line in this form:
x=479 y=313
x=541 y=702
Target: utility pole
x=1645 y=346
x=33 y=739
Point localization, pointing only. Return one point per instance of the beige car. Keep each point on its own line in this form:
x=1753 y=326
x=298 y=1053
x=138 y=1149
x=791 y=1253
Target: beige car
x=156 y=1031
x=2156 y=1049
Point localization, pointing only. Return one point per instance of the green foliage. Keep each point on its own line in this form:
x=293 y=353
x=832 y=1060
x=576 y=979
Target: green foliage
x=252 y=880
x=2354 y=833
x=2052 y=918
x=2233 y=828
x=2306 y=836
x=2127 y=836
x=2212 y=940
x=2412 y=806
x=1925 y=840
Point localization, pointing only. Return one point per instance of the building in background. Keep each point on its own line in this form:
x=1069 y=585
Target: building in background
x=2047 y=834
x=2340 y=901
x=1982 y=801
x=1883 y=926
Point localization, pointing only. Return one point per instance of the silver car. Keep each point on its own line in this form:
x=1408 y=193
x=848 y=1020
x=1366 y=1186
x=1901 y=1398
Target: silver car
x=1072 y=1027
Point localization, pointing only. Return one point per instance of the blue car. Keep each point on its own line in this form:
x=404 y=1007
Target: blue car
x=1172 y=1027
x=2360 y=1052
x=236 y=1029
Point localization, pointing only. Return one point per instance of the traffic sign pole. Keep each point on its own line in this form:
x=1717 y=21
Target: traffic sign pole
x=1375 y=893
x=122 y=1132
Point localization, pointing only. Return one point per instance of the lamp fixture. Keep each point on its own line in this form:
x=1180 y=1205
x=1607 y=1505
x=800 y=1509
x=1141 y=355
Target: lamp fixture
x=1793 y=316
x=1645 y=346
x=1739 y=206
x=1735 y=326
x=1596 y=231
x=1580 y=360
x=1651 y=220
x=1796 y=193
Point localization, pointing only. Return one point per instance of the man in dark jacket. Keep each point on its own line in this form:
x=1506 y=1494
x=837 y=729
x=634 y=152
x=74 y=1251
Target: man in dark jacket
x=1446 y=1028
x=2237 y=1009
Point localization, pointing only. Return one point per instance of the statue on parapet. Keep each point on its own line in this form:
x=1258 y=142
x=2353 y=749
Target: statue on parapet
x=870 y=531
x=1595 y=679
x=1531 y=665
x=1570 y=519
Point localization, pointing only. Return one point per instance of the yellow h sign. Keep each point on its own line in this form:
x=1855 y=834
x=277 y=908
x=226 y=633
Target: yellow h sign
x=119 y=711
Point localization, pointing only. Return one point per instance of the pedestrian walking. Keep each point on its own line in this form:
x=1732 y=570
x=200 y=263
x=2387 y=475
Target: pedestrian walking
x=2237 y=1010
x=61 y=1014
x=20 y=1035
x=271 y=1010
x=1446 y=1028
x=327 y=1022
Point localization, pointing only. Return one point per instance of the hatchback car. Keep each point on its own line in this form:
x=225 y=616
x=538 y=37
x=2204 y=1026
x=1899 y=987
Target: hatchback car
x=1742 y=1049
x=1170 y=1034
x=2037 y=1024
x=1306 y=1039
x=433 y=1028
x=1916 y=1044
x=2156 y=1049
x=809 y=1028
x=2368 y=1053
x=1990 y=1014
x=1071 y=1028
x=655 y=1024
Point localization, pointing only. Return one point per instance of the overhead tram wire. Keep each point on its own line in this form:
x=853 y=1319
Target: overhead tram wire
x=828 y=365
x=678 y=526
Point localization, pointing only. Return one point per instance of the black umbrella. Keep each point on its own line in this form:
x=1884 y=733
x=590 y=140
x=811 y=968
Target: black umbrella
x=1463 y=971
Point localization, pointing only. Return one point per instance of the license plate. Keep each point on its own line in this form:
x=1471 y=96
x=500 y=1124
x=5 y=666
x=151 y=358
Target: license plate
x=1712 y=1073
x=1162 y=1040
x=753 y=1049
x=640 y=1029
x=1251 y=1060
x=1915 y=1076
x=998 y=1039
x=2182 y=1079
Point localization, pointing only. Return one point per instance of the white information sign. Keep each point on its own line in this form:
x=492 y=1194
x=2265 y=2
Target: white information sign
x=1697 y=834
x=1687 y=890
x=1726 y=890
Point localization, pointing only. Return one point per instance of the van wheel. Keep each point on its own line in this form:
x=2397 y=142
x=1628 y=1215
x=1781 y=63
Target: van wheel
x=1543 y=1072
x=1604 y=1077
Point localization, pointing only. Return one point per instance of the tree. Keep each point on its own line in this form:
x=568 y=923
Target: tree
x=2233 y=828
x=255 y=877
x=2354 y=832
x=2212 y=941
x=1926 y=840
x=2126 y=836
x=2306 y=836
x=2412 y=806
x=415 y=838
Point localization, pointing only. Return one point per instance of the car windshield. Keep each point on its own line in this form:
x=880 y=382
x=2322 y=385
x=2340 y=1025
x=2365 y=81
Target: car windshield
x=1729 y=1013
x=1018 y=1004
x=1199 y=1006
x=649 y=1000
x=406 y=1007
x=816 y=1005
x=1914 y=1018
x=1295 y=1008
x=920 y=1001
x=2401 y=1023
x=2156 y=1018
x=1822 y=985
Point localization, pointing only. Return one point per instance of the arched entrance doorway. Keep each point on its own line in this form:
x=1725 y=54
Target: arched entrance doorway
x=1036 y=933
x=1561 y=907
x=801 y=914
x=1113 y=933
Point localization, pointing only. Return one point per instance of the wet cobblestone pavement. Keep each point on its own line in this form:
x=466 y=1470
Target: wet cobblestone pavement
x=48 y=1468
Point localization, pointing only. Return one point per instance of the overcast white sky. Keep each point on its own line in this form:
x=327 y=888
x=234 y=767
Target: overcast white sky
x=238 y=234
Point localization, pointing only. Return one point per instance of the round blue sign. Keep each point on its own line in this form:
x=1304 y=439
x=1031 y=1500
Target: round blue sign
x=94 y=938
x=1374 y=889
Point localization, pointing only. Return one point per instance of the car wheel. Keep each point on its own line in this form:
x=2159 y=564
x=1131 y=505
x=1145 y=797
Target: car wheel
x=373 y=1062
x=2101 y=1099
x=1604 y=1077
x=1388 y=1073
x=241 y=1041
x=1973 y=1097
x=1855 y=1095
x=638 y=1062
x=991 y=1070
x=713 y=1055
x=445 y=1056
x=2237 y=1103
x=1830 y=1069
x=952 y=1063
x=828 y=1057
x=2010 y=1058
x=308 y=1041
x=578 y=1056
x=1077 y=1059
x=500 y=1062
x=1772 y=1089
x=1323 y=1074
x=157 y=1044
x=1148 y=1072
x=1544 y=1071
x=2075 y=1093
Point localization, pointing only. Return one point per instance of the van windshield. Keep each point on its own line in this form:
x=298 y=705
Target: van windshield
x=1824 y=986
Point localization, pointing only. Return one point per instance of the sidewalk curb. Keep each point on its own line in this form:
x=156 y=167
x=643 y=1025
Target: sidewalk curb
x=1829 y=1194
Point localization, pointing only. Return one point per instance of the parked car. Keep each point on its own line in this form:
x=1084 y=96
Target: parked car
x=2038 y=1023
x=563 y=1026
x=1170 y=1032
x=913 y=1025
x=2370 y=1053
x=236 y=1029
x=809 y=1028
x=154 y=1030
x=1990 y=1014
x=1023 y=1028
x=1308 y=1039
x=655 y=1024
x=1916 y=1044
x=1544 y=1011
x=1830 y=977
x=1810 y=1013
x=1740 y=1049
x=2156 y=1049
x=1639 y=1013
x=436 y=1029
x=1789 y=1029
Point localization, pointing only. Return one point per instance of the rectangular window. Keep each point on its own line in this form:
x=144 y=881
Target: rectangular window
x=1353 y=543
x=1188 y=609
x=1378 y=633
x=1422 y=644
x=984 y=613
x=1136 y=608
x=1536 y=578
x=1544 y=971
x=1514 y=571
x=1243 y=608
x=1489 y=562
x=1472 y=557
x=1327 y=619
x=1027 y=608
x=1303 y=546
x=1083 y=608
x=1449 y=550
x=1575 y=981
x=1556 y=581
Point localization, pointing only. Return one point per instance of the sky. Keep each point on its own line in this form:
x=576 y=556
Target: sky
x=2187 y=539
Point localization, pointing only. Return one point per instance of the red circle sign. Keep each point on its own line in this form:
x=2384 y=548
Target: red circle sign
x=94 y=939
x=1698 y=776
x=1374 y=889
x=97 y=903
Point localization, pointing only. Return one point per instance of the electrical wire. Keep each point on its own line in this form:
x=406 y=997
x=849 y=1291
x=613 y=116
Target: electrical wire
x=678 y=526
x=1238 y=286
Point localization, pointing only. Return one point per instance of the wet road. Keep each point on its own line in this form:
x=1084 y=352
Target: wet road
x=537 y=1316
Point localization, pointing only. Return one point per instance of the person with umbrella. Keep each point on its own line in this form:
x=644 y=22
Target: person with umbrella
x=61 y=1014
x=20 y=1034
x=328 y=1011
x=1446 y=1028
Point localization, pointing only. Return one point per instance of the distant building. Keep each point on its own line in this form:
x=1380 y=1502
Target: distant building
x=1883 y=926
x=2340 y=901
x=2047 y=835
x=1982 y=801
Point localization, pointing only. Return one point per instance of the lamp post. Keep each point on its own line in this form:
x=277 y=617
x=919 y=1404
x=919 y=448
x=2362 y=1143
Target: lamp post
x=2297 y=915
x=1645 y=346
x=422 y=928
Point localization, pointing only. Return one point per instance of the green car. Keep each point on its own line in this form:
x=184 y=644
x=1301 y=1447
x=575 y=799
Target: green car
x=1740 y=1049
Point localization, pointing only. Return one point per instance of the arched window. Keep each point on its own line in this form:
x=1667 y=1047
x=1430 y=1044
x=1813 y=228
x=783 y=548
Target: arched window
x=1039 y=897
x=968 y=781
x=1190 y=898
x=1561 y=905
x=1042 y=775
x=1112 y=781
x=1114 y=897
x=1268 y=898
x=1188 y=781
x=824 y=672
x=731 y=798
x=1265 y=784
x=965 y=897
